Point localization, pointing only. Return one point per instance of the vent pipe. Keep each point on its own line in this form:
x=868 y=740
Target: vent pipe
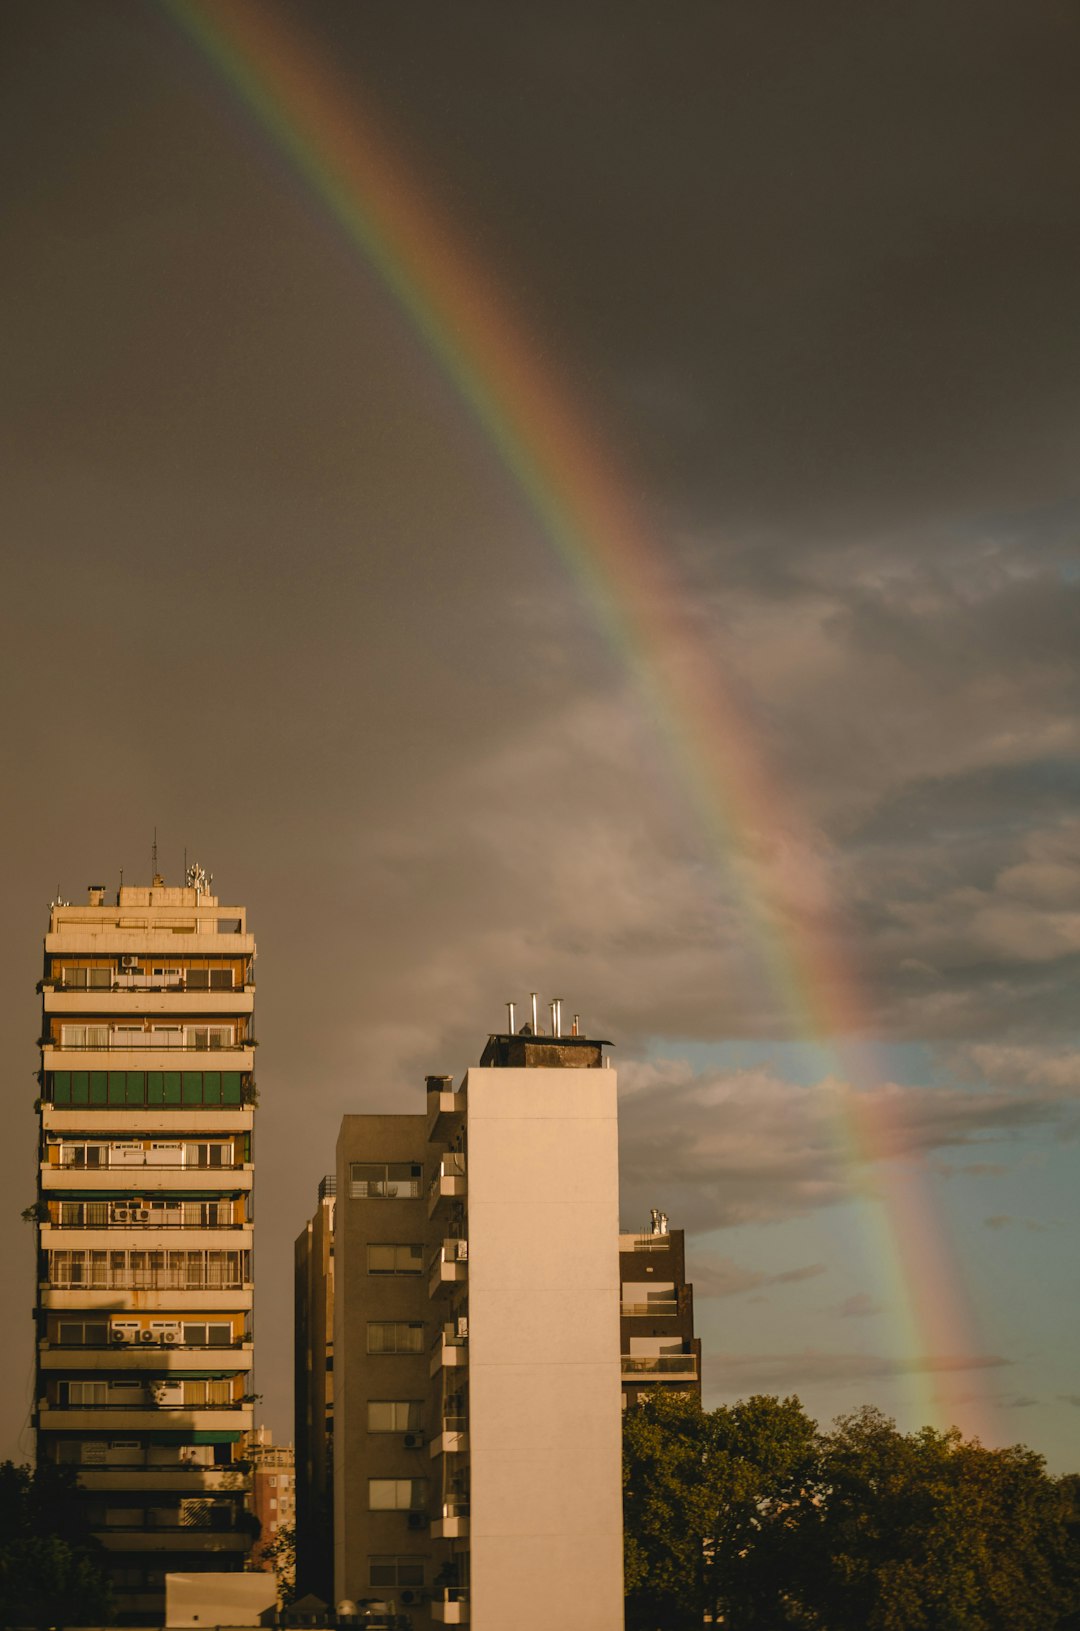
x=535 y=1023
x=556 y=1016
x=510 y=1018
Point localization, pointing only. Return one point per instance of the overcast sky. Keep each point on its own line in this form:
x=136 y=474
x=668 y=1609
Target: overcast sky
x=811 y=273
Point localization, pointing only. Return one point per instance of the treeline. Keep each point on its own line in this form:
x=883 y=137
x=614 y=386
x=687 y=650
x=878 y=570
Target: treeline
x=752 y=1516
x=51 y=1569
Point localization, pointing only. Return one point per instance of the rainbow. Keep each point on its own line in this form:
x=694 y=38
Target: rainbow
x=465 y=324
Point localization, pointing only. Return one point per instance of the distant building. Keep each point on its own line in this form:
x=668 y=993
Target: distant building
x=657 y=1313
x=314 y=1398
x=144 y=1341
x=273 y=1489
x=476 y=1426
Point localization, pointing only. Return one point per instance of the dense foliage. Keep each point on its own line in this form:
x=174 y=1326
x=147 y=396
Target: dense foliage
x=753 y=1516
x=50 y=1567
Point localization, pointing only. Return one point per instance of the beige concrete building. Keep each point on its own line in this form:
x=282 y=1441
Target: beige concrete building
x=476 y=1347
x=144 y=1339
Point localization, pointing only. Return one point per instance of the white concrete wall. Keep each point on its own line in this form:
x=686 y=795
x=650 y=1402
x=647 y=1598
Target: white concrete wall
x=544 y=1374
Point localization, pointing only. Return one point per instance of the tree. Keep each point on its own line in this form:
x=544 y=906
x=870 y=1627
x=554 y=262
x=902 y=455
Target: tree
x=281 y=1554
x=715 y=1504
x=749 y=1514
x=50 y=1565
x=931 y=1532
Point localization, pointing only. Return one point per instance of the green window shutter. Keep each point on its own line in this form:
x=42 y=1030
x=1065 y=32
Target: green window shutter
x=117 y=1087
x=99 y=1088
x=211 y=1087
x=230 y=1087
x=172 y=1086
x=136 y=1087
x=61 y=1087
x=193 y=1087
x=155 y=1087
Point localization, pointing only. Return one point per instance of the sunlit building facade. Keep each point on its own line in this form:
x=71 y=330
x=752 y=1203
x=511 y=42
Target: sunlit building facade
x=476 y=1410
x=145 y=1220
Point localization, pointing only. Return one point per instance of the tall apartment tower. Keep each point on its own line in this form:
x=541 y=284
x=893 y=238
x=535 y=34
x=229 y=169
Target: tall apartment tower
x=144 y=1339
x=477 y=1425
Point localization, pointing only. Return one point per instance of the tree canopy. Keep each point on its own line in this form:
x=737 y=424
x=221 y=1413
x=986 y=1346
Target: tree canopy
x=50 y=1566
x=752 y=1515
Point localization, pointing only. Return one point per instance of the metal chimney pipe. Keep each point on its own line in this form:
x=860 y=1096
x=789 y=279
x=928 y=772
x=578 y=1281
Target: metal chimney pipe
x=535 y=1025
x=577 y=1026
x=510 y=1017
x=557 y=1005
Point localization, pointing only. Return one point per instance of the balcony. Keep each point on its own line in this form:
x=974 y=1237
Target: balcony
x=150 y=1356
x=448 y=1183
x=453 y=1520
x=450 y=1606
x=449 y=1442
x=451 y=1349
x=181 y=1480
x=147 y=1418
x=636 y=1365
x=173 y=1540
x=449 y=1267
x=189 y=1300
x=141 y=1179
x=660 y=1309
x=445 y=1109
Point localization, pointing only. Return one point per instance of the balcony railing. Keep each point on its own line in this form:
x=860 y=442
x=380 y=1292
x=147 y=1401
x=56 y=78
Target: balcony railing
x=658 y=1310
x=455 y=1506
x=662 y=1364
x=139 y=1042
x=115 y=1346
x=143 y=1402
x=146 y=1280
x=455 y=1424
x=156 y=1222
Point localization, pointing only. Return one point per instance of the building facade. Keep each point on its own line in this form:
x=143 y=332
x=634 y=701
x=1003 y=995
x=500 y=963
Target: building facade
x=476 y=1421
x=659 y=1348
x=273 y=1494
x=145 y=1220
x=313 y=1393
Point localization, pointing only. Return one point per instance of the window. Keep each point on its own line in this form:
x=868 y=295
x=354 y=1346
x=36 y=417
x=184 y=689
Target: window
x=384 y=1180
x=207 y=1336
x=395 y=1415
x=396 y=1494
x=211 y=1391
x=395 y=1259
x=209 y=1036
x=209 y=979
x=83 y=1334
x=395 y=1337
x=208 y=1155
x=396 y=1571
x=84 y=1036
x=88 y=979
x=83 y=1393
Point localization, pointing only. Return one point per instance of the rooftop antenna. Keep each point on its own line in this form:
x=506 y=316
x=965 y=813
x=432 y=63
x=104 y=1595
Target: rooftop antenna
x=153 y=856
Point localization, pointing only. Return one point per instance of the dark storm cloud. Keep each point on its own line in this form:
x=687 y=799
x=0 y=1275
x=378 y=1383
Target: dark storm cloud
x=813 y=272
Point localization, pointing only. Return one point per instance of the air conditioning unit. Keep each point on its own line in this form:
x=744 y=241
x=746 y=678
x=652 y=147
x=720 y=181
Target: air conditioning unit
x=414 y=1441
x=169 y=1331
x=416 y=1520
x=147 y=1336
x=410 y=1596
x=124 y=1333
x=140 y=1214
x=121 y=1214
x=170 y=1338
x=129 y=962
